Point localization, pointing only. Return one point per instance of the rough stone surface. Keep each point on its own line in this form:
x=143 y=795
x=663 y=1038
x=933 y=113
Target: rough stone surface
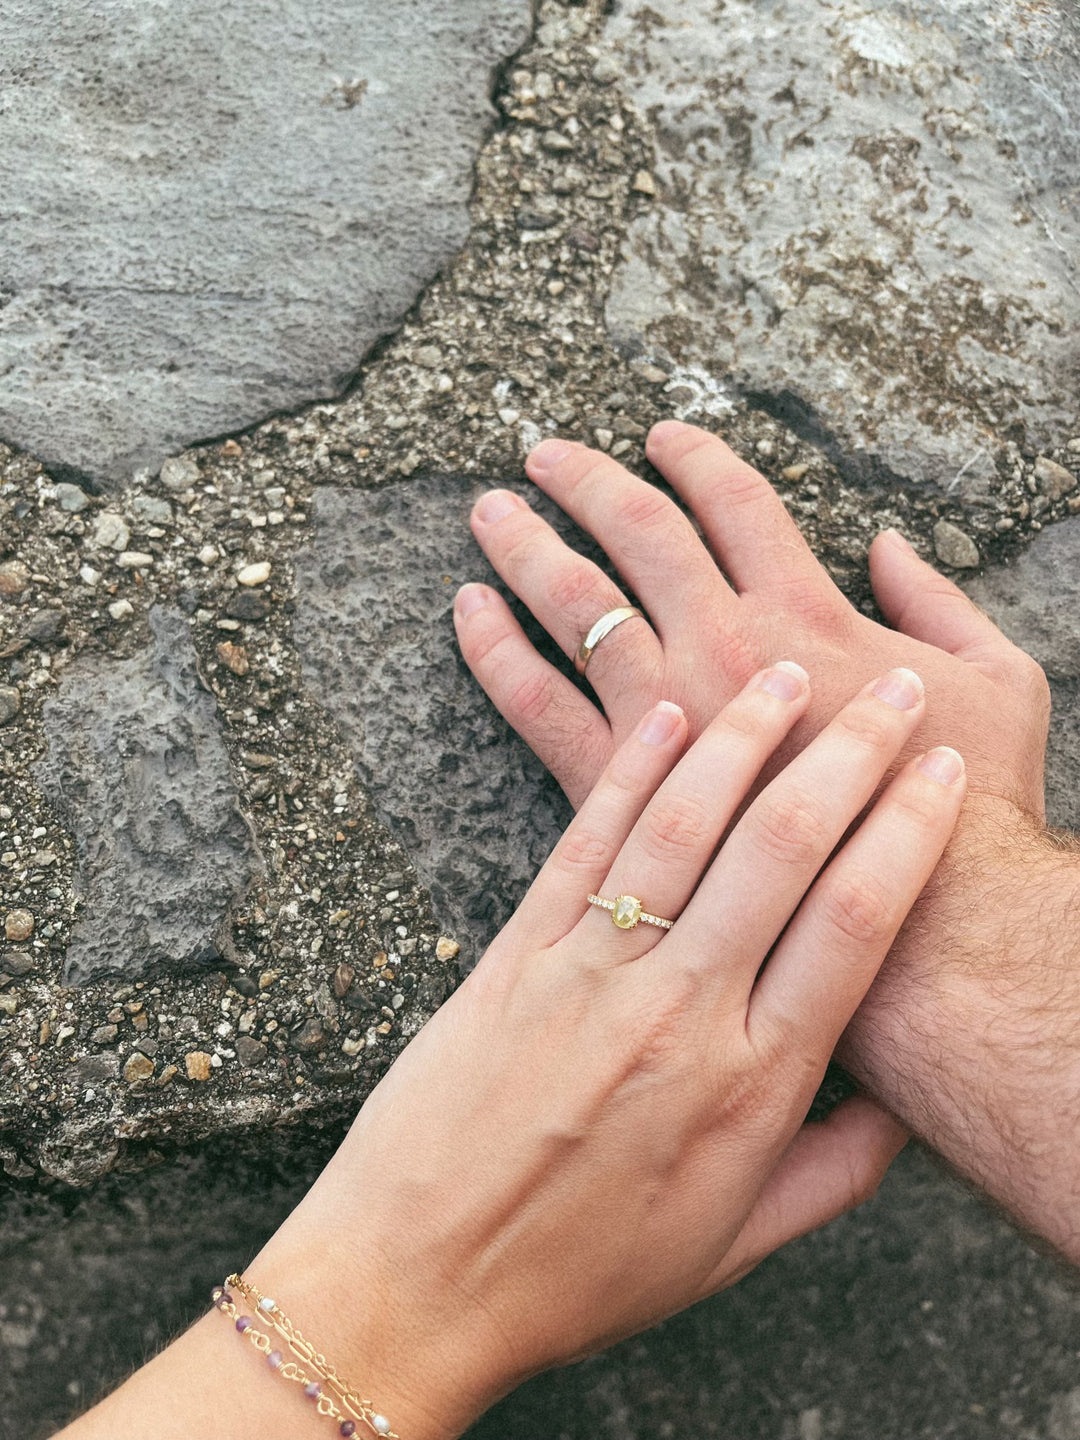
x=869 y=219
x=211 y=214
x=137 y=766
x=1036 y=601
x=374 y=627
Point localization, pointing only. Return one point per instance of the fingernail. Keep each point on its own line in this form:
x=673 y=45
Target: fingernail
x=785 y=680
x=943 y=765
x=665 y=430
x=660 y=724
x=471 y=598
x=548 y=454
x=902 y=689
x=497 y=504
x=895 y=538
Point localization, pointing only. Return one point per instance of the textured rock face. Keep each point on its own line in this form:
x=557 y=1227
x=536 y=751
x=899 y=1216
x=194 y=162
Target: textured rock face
x=476 y=812
x=210 y=213
x=1036 y=601
x=870 y=219
x=137 y=767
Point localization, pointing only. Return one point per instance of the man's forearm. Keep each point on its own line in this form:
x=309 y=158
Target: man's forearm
x=972 y=1034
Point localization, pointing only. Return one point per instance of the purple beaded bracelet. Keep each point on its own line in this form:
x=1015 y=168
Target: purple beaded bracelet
x=320 y=1382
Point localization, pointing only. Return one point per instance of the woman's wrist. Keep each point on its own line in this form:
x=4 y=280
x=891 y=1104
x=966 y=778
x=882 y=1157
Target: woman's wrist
x=416 y=1356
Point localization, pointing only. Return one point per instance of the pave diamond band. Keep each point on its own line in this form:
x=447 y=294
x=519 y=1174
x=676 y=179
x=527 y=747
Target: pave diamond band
x=626 y=912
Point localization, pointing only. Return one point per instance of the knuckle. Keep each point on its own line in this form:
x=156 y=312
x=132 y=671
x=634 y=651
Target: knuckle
x=570 y=585
x=483 y=647
x=643 y=508
x=734 y=656
x=857 y=908
x=918 y=803
x=674 y=826
x=739 y=486
x=788 y=828
x=741 y=722
x=657 y=1023
x=582 y=848
x=532 y=698
x=867 y=725
x=1033 y=679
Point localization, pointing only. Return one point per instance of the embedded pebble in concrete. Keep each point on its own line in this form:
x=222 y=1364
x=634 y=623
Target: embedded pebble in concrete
x=1036 y=601
x=211 y=213
x=472 y=806
x=868 y=219
x=138 y=770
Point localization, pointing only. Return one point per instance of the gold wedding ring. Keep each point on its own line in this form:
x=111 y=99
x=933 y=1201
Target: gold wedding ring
x=603 y=626
x=626 y=912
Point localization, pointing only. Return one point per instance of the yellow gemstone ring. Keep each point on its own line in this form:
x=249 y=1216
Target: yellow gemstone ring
x=626 y=912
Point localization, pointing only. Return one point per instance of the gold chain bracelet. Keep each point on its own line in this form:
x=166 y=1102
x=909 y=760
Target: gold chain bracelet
x=344 y=1405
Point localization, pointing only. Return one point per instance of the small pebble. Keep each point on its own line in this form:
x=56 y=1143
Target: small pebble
x=110 y=532
x=795 y=473
x=71 y=498
x=1053 y=480
x=88 y=575
x=14 y=577
x=134 y=560
x=104 y=1034
x=954 y=547
x=9 y=704
x=235 y=657
x=256 y=574
x=18 y=925
x=179 y=473
x=250 y=1052
x=121 y=609
x=651 y=374
x=137 y=1067
x=604 y=438
x=198 y=1065
x=644 y=184
x=209 y=554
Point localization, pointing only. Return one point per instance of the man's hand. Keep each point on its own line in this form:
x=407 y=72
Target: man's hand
x=972 y=1033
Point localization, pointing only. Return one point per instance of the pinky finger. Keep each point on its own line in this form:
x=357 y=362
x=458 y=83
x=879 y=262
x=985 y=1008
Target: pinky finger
x=568 y=733
x=831 y=1166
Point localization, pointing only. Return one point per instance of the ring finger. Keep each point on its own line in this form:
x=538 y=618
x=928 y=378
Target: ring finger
x=568 y=594
x=673 y=841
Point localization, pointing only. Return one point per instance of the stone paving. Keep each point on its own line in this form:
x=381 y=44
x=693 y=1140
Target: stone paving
x=769 y=219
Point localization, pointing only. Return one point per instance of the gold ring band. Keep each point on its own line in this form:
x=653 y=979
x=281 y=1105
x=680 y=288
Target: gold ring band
x=603 y=626
x=626 y=912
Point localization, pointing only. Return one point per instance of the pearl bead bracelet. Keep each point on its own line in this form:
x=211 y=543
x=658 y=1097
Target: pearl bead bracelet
x=333 y=1397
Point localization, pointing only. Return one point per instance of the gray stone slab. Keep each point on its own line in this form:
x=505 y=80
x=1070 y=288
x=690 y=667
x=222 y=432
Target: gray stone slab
x=869 y=219
x=474 y=809
x=210 y=213
x=1036 y=601
x=137 y=768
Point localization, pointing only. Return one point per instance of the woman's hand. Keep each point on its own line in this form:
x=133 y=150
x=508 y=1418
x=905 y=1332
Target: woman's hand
x=603 y=1126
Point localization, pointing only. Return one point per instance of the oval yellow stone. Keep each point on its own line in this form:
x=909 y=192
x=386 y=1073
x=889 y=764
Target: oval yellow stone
x=627 y=912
